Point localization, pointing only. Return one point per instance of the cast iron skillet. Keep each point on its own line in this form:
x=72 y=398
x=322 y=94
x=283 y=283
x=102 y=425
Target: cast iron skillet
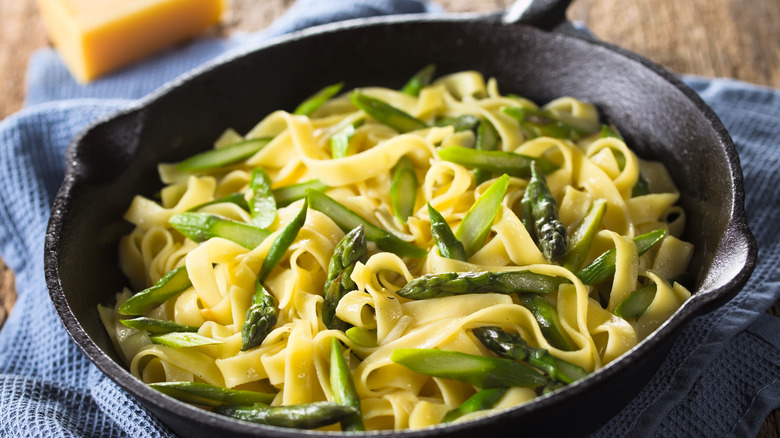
x=530 y=50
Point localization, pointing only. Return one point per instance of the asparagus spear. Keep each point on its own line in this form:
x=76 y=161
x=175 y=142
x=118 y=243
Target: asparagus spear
x=546 y=316
x=171 y=284
x=302 y=416
x=343 y=388
x=465 y=122
x=350 y=250
x=182 y=340
x=403 y=190
x=157 y=326
x=581 y=239
x=480 y=371
x=499 y=162
x=604 y=266
x=512 y=346
x=210 y=395
x=214 y=158
x=262 y=315
x=288 y=194
x=457 y=283
x=260 y=318
x=475 y=227
x=386 y=114
x=637 y=302
x=483 y=399
x=362 y=337
x=420 y=80
x=308 y=106
x=543 y=123
x=449 y=246
x=201 y=227
x=540 y=216
x=262 y=204
x=233 y=198
x=347 y=220
x=487 y=140
x=339 y=142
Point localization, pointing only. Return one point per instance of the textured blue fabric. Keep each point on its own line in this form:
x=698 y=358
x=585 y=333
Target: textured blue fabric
x=720 y=379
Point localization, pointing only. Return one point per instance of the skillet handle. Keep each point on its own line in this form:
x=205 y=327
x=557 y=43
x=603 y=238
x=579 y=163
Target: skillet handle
x=544 y=14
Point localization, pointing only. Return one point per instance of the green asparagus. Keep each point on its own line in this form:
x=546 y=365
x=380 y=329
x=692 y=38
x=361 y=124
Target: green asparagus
x=343 y=388
x=171 y=284
x=403 y=189
x=308 y=106
x=480 y=371
x=260 y=318
x=262 y=314
x=483 y=399
x=347 y=220
x=386 y=114
x=497 y=162
x=581 y=239
x=362 y=337
x=449 y=246
x=637 y=302
x=546 y=316
x=350 y=250
x=339 y=142
x=540 y=216
x=302 y=416
x=223 y=156
x=543 y=123
x=512 y=346
x=261 y=203
x=204 y=394
x=457 y=283
x=201 y=227
x=288 y=194
x=157 y=326
x=420 y=80
x=604 y=266
x=475 y=227
x=487 y=140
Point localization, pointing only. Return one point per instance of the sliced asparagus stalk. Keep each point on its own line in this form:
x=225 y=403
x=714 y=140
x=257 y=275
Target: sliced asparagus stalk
x=637 y=302
x=343 y=388
x=497 y=162
x=262 y=204
x=581 y=239
x=457 y=283
x=475 y=227
x=157 y=326
x=204 y=394
x=449 y=246
x=170 y=285
x=302 y=416
x=480 y=371
x=403 y=189
x=308 y=106
x=386 y=114
x=482 y=400
x=201 y=227
x=288 y=194
x=420 y=80
x=214 y=158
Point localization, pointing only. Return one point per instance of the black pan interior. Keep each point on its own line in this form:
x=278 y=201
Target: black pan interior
x=116 y=160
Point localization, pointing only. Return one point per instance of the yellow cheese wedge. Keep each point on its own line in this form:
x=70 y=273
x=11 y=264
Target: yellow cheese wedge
x=97 y=36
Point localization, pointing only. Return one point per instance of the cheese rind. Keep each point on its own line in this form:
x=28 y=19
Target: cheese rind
x=95 y=37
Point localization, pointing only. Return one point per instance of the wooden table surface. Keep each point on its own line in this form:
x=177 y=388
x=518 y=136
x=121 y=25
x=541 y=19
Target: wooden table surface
x=718 y=38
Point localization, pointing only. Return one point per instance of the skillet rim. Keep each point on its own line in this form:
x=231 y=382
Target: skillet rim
x=737 y=230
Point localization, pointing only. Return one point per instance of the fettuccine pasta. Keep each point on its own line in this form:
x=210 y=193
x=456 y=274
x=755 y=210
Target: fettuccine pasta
x=352 y=157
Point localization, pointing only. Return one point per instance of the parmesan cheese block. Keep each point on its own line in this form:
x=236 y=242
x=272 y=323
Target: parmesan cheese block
x=97 y=36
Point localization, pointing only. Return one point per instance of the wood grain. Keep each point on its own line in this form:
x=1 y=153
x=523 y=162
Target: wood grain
x=717 y=38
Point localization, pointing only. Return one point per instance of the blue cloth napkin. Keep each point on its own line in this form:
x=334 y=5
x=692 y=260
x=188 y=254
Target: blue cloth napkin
x=721 y=377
